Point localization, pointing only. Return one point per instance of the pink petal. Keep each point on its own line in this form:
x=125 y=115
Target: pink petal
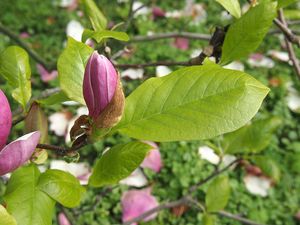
x=5 y=119
x=63 y=220
x=137 y=202
x=45 y=75
x=153 y=159
x=158 y=12
x=24 y=35
x=136 y=179
x=181 y=43
x=18 y=152
x=99 y=84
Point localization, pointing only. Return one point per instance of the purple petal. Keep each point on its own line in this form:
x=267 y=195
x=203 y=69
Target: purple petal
x=99 y=84
x=46 y=76
x=181 y=43
x=18 y=152
x=137 y=202
x=158 y=12
x=153 y=159
x=63 y=220
x=5 y=119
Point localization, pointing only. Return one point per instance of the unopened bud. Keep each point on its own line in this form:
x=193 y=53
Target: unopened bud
x=5 y=119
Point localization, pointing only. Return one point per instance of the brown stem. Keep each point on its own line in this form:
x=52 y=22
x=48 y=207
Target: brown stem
x=184 y=200
x=289 y=46
x=287 y=32
x=142 y=65
x=188 y=35
x=237 y=218
x=214 y=174
x=60 y=150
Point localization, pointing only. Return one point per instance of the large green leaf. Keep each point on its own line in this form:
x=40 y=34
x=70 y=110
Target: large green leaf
x=246 y=34
x=30 y=196
x=27 y=204
x=208 y=219
x=71 y=66
x=251 y=138
x=217 y=194
x=5 y=218
x=118 y=163
x=268 y=166
x=232 y=6
x=96 y=17
x=192 y=103
x=284 y=3
x=15 y=68
x=61 y=186
x=99 y=36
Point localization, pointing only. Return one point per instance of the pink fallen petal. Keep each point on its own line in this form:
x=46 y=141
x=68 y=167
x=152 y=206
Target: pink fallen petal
x=24 y=35
x=181 y=43
x=63 y=220
x=5 y=119
x=257 y=185
x=137 y=202
x=136 y=179
x=153 y=159
x=158 y=12
x=46 y=76
x=18 y=152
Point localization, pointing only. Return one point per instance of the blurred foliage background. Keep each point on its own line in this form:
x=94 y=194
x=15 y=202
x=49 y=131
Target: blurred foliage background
x=46 y=21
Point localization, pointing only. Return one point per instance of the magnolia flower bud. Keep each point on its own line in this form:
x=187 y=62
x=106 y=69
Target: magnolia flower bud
x=5 y=119
x=102 y=91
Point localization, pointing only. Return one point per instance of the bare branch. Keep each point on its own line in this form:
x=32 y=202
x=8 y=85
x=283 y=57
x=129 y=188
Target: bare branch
x=237 y=218
x=289 y=46
x=204 y=37
x=287 y=32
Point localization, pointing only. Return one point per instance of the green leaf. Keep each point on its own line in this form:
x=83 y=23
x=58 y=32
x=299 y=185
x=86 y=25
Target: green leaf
x=285 y=3
x=217 y=194
x=15 y=68
x=246 y=34
x=232 y=6
x=5 y=218
x=71 y=66
x=96 y=17
x=208 y=219
x=61 y=186
x=251 y=138
x=193 y=103
x=292 y=14
x=56 y=98
x=294 y=162
x=25 y=202
x=268 y=166
x=118 y=163
x=99 y=36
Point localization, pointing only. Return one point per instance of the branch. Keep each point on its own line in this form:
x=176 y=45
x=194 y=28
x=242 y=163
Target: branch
x=163 y=206
x=214 y=174
x=204 y=37
x=124 y=66
x=286 y=31
x=31 y=52
x=237 y=218
x=60 y=150
x=184 y=200
x=290 y=47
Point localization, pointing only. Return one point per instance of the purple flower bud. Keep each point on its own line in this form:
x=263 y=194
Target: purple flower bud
x=18 y=152
x=99 y=84
x=5 y=119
